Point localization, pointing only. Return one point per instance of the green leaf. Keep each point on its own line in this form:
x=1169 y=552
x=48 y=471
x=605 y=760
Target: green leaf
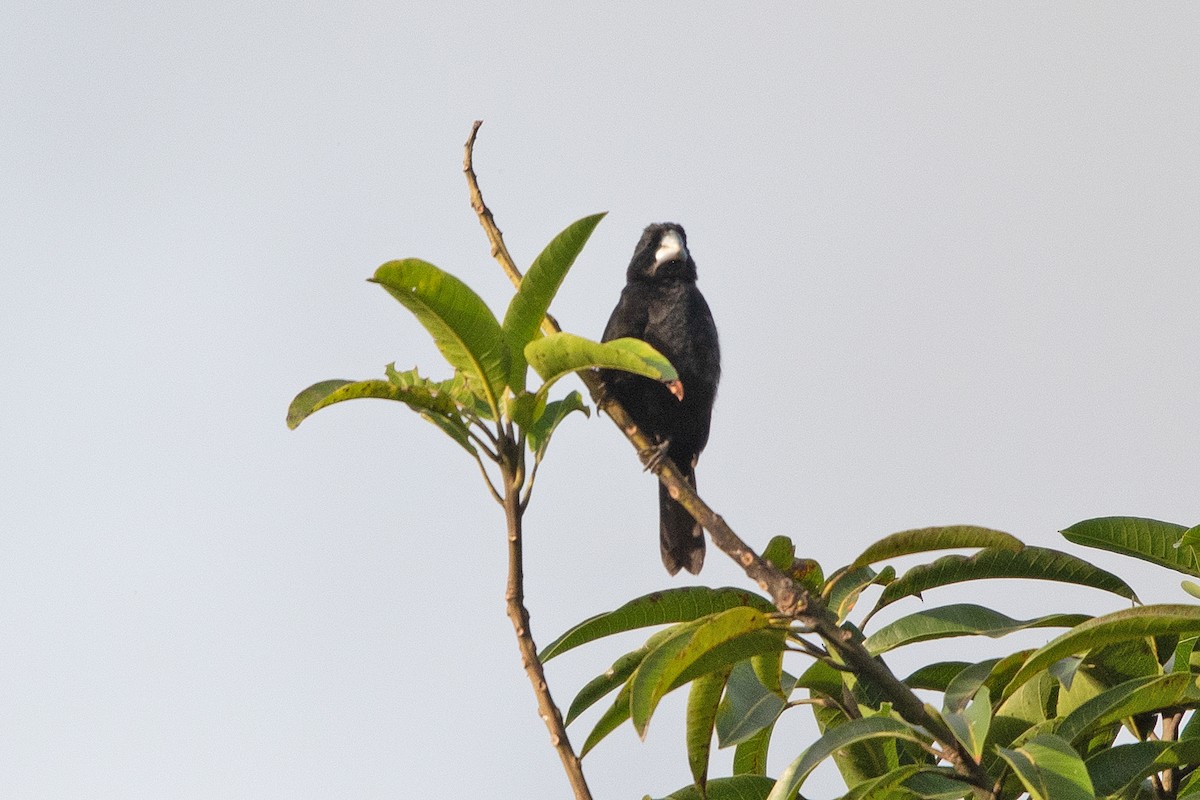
x=833 y=740
x=741 y=648
x=1129 y=699
x=1147 y=539
x=610 y=679
x=924 y=540
x=1025 y=713
x=315 y=397
x=435 y=407
x=1037 y=563
x=971 y=726
x=781 y=552
x=561 y=354
x=1050 y=769
x=703 y=700
x=966 y=683
x=740 y=787
x=1131 y=623
x=609 y=721
x=529 y=305
x=660 y=608
x=844 y=587
x=463 y=327
x=454 y=394
x=1190 y=538
x=555 y=412
x=750 y=756
x=657 y=674
x=911 y=781
x=522 y=408
x=937 y=676
x=959 y=620
x=1181 y=659
x=748 y=707
x=1118 y=768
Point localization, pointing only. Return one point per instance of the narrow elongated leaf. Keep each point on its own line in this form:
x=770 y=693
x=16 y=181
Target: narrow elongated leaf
x=959 y=620
x=923 y=540
x=833 y=740
x=703 y=700
x=739 y=787
x=750 y=756
x=919 y=781
x=1148 y=539
x=1117 y=768
x=463 y=327
x=739 y=648
x=317 y=397
x=719 y=657
x=657 y=674
x=1050 y=769
x=936 y=676
x=1036 y=563
x=660 y=608
x=748 y=707
x=609 y=721
x=1133 y=697
x=435 y=407
x=560 y=354
x=1128 y=624
x=610 y=679
x=540 y=283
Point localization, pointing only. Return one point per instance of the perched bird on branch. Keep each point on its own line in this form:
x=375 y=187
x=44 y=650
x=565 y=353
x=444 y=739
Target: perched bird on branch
x=662 y=306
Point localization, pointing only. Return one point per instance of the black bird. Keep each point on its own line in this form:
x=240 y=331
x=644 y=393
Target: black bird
x=661 y=305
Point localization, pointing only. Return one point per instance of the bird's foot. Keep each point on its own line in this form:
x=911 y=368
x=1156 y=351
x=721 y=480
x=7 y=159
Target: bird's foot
x=601 y=396
x=653 y=455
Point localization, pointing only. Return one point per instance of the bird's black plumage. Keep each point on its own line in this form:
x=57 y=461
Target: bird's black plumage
x=662 y=306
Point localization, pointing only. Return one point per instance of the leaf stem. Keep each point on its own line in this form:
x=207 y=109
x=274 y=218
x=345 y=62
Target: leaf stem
x=488 y=480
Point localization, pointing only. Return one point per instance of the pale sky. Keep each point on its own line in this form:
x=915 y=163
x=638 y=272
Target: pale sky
x=951 y=251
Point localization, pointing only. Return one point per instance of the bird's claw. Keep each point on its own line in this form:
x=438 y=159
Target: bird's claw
x=601 y=396
x=653 y=455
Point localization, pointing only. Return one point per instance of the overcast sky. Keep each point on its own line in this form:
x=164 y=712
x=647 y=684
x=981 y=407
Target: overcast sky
x=951 y=251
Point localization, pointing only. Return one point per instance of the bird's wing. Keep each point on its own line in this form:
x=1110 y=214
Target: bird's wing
x=629 y=317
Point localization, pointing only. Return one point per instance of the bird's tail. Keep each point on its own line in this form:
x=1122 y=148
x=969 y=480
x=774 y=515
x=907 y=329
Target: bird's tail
x=680 y=537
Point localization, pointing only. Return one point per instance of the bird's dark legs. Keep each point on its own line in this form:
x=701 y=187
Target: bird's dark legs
x=653 y=455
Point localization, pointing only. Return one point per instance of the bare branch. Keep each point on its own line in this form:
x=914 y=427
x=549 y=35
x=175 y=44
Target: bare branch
x=514 y=597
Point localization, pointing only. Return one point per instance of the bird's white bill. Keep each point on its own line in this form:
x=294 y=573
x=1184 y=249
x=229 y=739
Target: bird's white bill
x=669 y=249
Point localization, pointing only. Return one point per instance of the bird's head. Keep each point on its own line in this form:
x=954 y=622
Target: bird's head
x=662 y=254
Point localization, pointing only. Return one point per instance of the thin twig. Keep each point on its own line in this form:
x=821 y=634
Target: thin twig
x=514 y=597
x=514 y=507
x=499 y=250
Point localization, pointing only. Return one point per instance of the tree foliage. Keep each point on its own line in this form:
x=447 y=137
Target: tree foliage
x=1104 y=708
